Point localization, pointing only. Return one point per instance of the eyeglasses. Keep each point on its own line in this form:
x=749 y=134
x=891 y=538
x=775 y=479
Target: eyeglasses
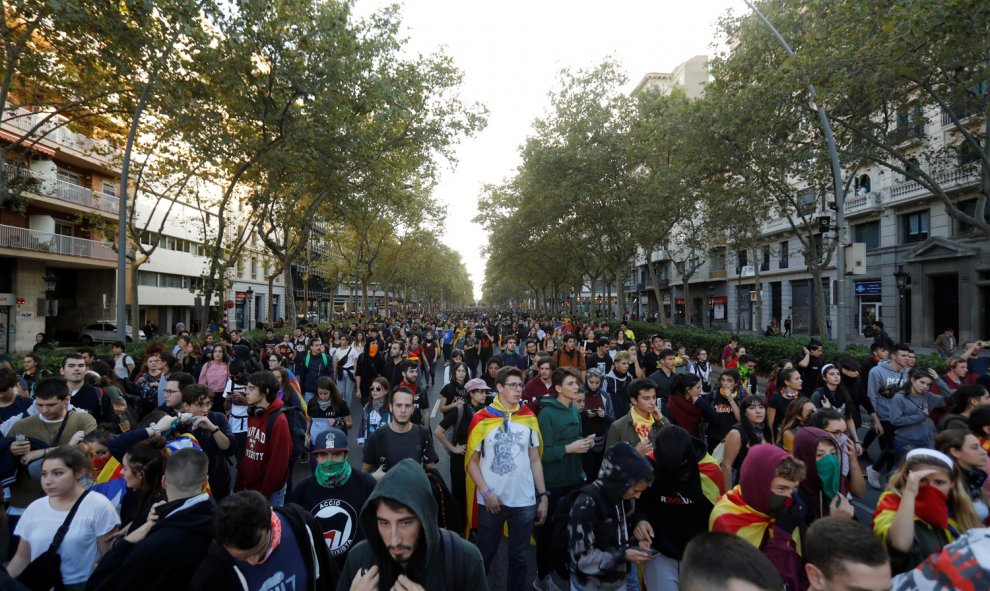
x=514 y=385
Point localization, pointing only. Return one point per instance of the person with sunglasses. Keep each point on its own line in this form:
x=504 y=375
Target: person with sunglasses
x=375 y=414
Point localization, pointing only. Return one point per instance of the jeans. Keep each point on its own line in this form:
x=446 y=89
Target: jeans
x=662 y=573
x=520 y=521
x=346 y=388
x=277 y=499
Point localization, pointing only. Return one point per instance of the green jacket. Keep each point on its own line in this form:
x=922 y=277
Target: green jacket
x=622 y=430
x=560 y=425
x=406 y=484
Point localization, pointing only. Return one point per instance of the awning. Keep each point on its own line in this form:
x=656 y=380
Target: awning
x=29 y=143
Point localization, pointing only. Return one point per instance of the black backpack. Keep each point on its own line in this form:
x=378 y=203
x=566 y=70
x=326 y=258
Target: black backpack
x=561 y=539
x=297 y=427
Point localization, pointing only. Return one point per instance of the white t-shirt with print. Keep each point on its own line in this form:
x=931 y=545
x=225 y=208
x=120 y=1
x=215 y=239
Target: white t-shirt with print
x=95 y=517
x=504 y=463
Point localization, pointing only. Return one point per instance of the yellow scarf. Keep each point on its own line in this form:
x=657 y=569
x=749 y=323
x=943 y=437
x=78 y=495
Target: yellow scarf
x=641 y=425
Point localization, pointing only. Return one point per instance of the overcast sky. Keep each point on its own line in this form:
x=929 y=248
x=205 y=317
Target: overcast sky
x=511 y=52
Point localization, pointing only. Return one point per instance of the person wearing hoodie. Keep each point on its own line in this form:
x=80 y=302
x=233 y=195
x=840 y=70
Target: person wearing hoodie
x=687 y=483
x=596 y=417
x=403 y=548
x=181 y=528
x=599 y=525
x=885 y=379
x=910 y=413
x=964 y=401
x=259 y=547
x=823 y=489
x=563 y=451
x=765 y=510
x=615 y=382
x=264 y=467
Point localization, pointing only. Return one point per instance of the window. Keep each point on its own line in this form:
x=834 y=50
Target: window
x=968 y=154
x=718 y=262
x=785 y=252
x=147 y=279
x=910 y=124
x=868 y=233
x=109 y=189
x=863 y=184
x=742 y=260
x=63 y=229
x=912 y=170
x=254 y=268
x=765 y=265
x=806 y=201
x=969 y=208
x=915 y=226
x=69 y=177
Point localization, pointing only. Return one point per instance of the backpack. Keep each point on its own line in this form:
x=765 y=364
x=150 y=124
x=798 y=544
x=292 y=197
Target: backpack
x=323 y=355
x=297 y=427
x=560 y=537
x=449 y=515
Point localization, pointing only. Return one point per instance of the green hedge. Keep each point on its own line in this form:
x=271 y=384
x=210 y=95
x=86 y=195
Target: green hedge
x=766 y=350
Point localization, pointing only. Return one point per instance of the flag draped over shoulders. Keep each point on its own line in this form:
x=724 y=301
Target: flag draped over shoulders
x=712 y=480
x=732 y=515
x=485 y=421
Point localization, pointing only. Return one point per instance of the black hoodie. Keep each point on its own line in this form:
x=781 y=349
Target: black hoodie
x=165 y=559
x=406 y=483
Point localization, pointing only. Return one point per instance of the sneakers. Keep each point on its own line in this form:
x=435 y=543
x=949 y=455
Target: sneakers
x=540 y=584
x=873 y=477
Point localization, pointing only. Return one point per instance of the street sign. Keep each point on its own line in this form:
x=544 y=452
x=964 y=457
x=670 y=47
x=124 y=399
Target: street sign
x=867 y=288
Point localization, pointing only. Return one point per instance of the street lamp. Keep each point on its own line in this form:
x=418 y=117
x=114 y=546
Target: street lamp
x=248 y=304
x=51 y=280
x=901 y=278
x=711 y=306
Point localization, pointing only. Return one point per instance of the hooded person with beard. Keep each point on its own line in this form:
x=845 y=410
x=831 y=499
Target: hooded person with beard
x=687 y=483
x=765 y=510
x=403 y=548
x=600 y=522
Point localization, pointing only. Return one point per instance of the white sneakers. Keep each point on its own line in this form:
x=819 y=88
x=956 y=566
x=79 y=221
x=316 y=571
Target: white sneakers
x=873 y=477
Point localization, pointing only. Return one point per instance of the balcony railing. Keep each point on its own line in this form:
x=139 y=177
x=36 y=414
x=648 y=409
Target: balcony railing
x=62 y=190
x=862 y=202
x=25 y=121
x=954 y=178
x=901 y=134
x=27 y=239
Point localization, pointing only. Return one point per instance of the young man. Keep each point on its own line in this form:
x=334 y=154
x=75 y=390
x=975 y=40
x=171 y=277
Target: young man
x=664 y=376
x=506 y=476
x=168 y=366
x=570 y=356
x=402 y=438
x=765 y=511
x=174 y=384
x=264 y=467
x=810 y=366
x=260 y=547
x=123 y=364
x=600 y=358
x=213 y=433
x=538 y=387
x=181 y=529
x=404 y=549
x=421 y=400
x=509 y=355
x=639 y=427
x=392 y=367
x=10 y=403
x=313 y=365
x=563 y=450
x=727 y=562
x=946 y=343
x=615 y=383
x=335 y=493
x=844 y=555
x=85 y=397
x=885 y=380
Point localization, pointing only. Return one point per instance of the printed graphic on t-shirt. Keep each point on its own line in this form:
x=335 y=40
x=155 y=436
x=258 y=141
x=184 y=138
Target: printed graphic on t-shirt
x=507 y=445
x=338 y=520
x=278 y=582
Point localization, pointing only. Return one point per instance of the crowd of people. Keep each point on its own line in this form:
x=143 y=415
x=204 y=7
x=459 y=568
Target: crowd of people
x=618 y=462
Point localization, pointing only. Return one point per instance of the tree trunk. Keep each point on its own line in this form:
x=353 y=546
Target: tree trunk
x=620 y=296
x=816 y=276
x=661 y=317
x=364 y=294
x=135 y=309
x=271 y=301
x=688 y=308
x=290 y=298
x=757 y=287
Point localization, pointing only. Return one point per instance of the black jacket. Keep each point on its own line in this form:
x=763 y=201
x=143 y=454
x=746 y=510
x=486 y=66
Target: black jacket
x=163 y=560
x=217 y=571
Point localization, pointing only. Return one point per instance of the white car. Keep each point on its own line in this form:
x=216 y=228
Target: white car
x=104 y=331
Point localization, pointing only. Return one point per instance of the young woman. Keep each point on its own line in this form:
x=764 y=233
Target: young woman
x=686 y=405
x=92 y=527
x=925 y=507
x=375 y=413
x=790 y=388
x=458 y=419
x=192 y=363
x=830 y=421
x=774 y=373
x=796 y=414
x=215 y=375
x=910 y=412
x=328 y=408
x=703 y=369
x=971 y=460
x=456 y=356
x=454 y=390
x=751 y=430
x=597 y=414
x=344 y=362
x=641 y=350
x=724 y=401
x=823 y=488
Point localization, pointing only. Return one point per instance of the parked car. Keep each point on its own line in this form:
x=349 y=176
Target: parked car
x=104 y=331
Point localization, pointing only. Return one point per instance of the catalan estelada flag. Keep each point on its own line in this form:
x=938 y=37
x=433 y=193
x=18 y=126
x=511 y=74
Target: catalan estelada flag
x=732 y=515
x=485 y=421
x=712 y=480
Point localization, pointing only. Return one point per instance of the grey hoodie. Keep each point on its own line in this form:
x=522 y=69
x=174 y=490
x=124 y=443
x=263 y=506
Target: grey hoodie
x=907 y=413
x=884 y=380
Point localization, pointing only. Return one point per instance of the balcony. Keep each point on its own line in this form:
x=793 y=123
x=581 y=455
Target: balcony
x=862 y=203
x=25 y=121
x=27 y=239
x=905 y=133
x=62 y=190
x=955 y=178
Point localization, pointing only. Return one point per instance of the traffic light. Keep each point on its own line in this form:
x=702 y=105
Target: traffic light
x=824 y=224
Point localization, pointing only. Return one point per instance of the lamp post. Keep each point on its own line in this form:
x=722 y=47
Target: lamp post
x=901 y=278
x=711 y=306
x=248 y=304
x=51 y=281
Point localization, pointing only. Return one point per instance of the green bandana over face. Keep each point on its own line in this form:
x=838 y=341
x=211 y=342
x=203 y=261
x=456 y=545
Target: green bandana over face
x=332 y=473
x=744 y=373
x=828 y=473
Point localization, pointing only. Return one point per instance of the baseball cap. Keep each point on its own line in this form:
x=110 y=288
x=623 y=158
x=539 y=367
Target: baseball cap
x=333 y=439
x=475 y=384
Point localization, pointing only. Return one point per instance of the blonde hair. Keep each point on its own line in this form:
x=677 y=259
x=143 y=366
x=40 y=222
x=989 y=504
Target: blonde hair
x=960 y=505
x=623 y=356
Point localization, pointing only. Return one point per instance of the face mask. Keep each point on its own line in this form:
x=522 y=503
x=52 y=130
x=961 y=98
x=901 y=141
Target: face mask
x=779 y=503
x=331 y=473
x=931 y=506
x=99 y=462
x=828 y=473
x=324 y=404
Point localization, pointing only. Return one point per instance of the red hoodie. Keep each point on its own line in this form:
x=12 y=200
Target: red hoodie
x=264 y=466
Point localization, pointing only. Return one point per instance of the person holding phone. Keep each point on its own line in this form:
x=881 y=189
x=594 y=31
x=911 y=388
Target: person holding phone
x=599 y=526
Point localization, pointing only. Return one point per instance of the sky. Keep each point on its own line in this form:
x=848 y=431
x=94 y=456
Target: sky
x=511 y=52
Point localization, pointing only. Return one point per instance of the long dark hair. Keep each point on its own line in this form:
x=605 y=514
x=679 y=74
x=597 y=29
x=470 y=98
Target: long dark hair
x=325 y=383
x=746 y=428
